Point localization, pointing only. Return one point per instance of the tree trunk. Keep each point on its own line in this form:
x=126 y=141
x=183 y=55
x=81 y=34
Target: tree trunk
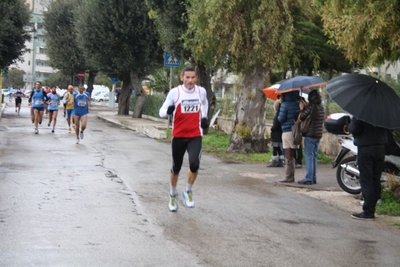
x=140 y=95
x=205 y=81
x=124 y=98
x=90 y=82
x=248 y=134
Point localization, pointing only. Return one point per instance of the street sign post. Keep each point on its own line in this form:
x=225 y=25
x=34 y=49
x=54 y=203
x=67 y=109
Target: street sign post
x=171 y=61
x=80 y=75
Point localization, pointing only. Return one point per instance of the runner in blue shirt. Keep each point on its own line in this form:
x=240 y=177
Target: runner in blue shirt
x=81 y=109
x=54 y=101
x=38 y=98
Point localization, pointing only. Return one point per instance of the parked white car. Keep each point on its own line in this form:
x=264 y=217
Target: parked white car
x=101 y=97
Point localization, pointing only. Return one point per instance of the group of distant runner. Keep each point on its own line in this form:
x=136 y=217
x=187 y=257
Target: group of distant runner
x=47 y=101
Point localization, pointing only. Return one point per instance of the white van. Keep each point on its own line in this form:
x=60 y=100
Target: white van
x=99 y=89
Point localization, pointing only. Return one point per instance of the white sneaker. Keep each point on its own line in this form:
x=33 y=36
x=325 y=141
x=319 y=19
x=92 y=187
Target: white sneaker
x=188 y=199
x=77 y=141
x=173 y=203
x=81 y=135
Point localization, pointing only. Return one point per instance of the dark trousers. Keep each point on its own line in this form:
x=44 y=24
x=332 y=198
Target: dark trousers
x=298 y=155
x=370 y=164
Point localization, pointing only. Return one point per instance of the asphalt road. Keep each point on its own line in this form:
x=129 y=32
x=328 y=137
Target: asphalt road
x=104 y=203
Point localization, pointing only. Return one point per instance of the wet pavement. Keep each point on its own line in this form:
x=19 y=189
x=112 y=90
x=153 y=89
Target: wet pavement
x=104 y=203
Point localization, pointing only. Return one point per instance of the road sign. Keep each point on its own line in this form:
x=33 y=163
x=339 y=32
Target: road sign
x=81 y=74
x=170 y=61
x=114 y=80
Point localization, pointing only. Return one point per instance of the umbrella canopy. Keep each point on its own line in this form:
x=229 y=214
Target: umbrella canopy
x=299 y=83
x=367 y=98
x=271 y=92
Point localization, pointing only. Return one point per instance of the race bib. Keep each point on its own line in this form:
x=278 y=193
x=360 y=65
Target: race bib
x=38 y=102
x=54 y=103
x=190 y=106
x=81 y=103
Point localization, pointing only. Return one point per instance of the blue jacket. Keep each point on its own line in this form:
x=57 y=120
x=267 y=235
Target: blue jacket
x=289 y=110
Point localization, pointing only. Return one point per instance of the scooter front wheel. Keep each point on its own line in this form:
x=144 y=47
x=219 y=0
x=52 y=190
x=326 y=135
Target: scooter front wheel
x=347 y=181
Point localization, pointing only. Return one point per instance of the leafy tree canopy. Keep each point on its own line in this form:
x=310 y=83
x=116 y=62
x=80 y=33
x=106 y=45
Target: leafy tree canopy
x=14 y=30
x=61 y=40
x=118 y=36
x=367 y=30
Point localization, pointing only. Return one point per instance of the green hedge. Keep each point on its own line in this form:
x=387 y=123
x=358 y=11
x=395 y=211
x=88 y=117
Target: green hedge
x=151 y=106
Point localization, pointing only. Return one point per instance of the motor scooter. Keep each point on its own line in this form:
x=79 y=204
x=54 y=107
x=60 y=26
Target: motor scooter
x=347 y=173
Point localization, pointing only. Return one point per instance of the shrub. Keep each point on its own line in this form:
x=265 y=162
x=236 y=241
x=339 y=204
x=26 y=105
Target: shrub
x=151 y=106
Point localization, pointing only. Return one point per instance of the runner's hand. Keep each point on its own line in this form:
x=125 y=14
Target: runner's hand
x=170 y=109
x=204 y=123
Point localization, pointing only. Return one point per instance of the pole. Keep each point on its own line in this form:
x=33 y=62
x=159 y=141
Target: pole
x=170 y=87
x=170 y=78
x=1 y=87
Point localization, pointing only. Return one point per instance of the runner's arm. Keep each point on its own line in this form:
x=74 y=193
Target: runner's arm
x=169 y=101
x=204 y=103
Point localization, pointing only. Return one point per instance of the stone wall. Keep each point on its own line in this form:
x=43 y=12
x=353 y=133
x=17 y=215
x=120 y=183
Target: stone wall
x=328 y=144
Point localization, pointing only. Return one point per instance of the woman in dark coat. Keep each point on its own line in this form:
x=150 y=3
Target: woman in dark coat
x=288 y=113
x=313 y=136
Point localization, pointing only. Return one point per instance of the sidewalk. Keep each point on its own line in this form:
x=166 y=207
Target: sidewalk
x=148 y=125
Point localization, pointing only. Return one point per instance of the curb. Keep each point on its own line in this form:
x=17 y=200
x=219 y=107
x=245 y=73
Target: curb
x=2 y=108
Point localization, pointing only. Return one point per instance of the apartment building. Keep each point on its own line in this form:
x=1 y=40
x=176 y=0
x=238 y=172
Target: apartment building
x=35 y=62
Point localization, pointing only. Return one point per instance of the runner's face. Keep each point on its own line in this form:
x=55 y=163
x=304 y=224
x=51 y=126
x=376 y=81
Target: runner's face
x=81 y=89
x=38 y=86
x=189 y=79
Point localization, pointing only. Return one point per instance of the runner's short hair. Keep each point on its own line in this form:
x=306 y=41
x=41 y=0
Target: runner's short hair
x=188 y=68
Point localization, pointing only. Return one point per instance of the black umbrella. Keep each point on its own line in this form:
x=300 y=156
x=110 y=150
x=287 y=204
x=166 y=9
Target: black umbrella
x=367 y=98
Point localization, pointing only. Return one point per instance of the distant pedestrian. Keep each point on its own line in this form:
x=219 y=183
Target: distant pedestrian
x=276 y=139
x=81 y=109
x=189 y=106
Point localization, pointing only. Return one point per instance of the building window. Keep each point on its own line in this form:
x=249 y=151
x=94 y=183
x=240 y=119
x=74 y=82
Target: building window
x=42 y=50
x=29 y=62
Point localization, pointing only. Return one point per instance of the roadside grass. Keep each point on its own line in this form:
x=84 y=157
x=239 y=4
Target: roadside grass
x=216 y=143
x=390 y=205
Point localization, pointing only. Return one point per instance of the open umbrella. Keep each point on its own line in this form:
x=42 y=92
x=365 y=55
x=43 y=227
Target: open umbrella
x=271 y=92
x=300 y=82
x=367 y=98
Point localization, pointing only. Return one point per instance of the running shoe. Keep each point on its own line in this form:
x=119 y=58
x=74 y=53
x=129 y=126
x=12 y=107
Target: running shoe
x=15 y=110
x=69 y=130
x=48 y=125
x=52 y=131
x=36 y=131
x=77 y=141
x=188 y=199
x=173 y=203
x=81 y=135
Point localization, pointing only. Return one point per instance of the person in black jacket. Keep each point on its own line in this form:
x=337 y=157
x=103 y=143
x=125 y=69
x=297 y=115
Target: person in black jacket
x=370 y=142
x=276 y=139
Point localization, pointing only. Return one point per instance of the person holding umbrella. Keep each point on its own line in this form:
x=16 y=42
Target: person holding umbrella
x=291 y=90
x=371 y=142
x=313 y=136
x=288 y=113
x=376 y=109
